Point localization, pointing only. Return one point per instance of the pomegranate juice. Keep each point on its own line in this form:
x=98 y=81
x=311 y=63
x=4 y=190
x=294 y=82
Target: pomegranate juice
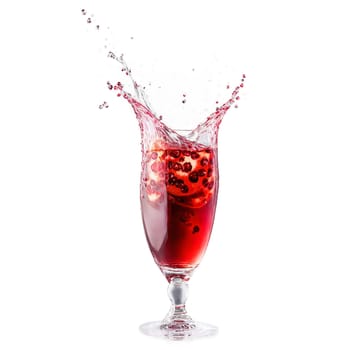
x=178 y=197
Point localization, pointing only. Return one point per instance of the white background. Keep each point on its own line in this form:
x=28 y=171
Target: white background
x=75 y=270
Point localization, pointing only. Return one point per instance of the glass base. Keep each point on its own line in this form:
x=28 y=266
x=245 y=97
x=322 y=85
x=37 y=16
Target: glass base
x=183 y=331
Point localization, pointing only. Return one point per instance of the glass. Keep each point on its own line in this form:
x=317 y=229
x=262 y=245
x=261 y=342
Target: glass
x=180 y=175
x=179 y=188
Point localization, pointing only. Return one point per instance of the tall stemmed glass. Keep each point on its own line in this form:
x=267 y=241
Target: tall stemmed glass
x=180 y=175
x=179 y=188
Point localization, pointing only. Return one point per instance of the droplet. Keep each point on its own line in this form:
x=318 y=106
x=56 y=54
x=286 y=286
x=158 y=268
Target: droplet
x=103 y=105
x=88 y=20
x=83 y=12
x=111 y=55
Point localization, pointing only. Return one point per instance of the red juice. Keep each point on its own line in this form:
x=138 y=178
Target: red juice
x=178 y=197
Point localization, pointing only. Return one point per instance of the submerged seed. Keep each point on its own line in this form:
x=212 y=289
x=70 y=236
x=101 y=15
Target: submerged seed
x=193 y=177
x=187 y=167
x=195 y=229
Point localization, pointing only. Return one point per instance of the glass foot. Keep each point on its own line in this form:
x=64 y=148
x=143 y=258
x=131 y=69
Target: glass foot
x=178 y=331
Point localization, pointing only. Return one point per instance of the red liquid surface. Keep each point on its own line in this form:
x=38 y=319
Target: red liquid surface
x=178 y=196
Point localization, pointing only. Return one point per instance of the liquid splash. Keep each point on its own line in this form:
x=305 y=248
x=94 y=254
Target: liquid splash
x=151 y=124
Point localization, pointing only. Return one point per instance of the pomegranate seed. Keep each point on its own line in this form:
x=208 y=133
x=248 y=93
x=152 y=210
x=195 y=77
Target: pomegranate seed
x=179 y=183
x=201 y=172
x=177 y=166
x=175 y=154
x=193 y=177
x=195 y=229
x=172 y=180
x=187 y=167
x=194 y=155
x=204 y=162
x=157 y=166
x=184 y=189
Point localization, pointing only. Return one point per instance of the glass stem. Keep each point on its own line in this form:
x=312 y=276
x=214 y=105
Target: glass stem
x=177 y=316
